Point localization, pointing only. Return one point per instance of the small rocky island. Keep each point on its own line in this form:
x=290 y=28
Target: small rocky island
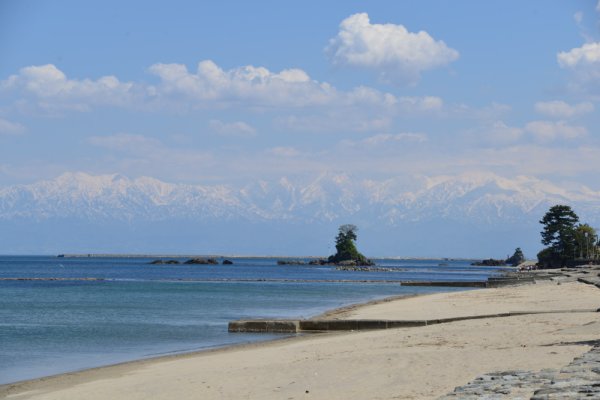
x=517 y=258
x=347 y=257
x=202 y=261
x=161 y=262
x=490 y=262
x=346 y=252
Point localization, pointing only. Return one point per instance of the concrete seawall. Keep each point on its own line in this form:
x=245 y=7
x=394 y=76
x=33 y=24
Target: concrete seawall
x=328 y=325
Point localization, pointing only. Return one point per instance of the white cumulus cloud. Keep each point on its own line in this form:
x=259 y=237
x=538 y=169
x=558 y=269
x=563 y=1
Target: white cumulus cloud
x=546 y=131
x=584 y=63
x=237 y=128
x=54 y=90
x=48 y=89
x=588 y=54
x=258 y=85
x=561 y=109
x=398 y=55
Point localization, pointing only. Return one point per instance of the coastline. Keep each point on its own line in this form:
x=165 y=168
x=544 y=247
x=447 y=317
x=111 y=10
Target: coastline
x=29 y=359
x=332 y=313
x=237 y=366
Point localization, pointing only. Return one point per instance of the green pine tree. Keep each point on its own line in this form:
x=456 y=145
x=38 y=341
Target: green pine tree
x=559 y=230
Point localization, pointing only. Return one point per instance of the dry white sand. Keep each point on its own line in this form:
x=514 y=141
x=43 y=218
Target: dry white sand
x=542 y=296
x=410 y=363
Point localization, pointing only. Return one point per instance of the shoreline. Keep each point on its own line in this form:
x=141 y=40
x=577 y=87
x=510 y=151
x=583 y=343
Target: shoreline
x=72 y=376
x=137 y=370
x=34 y=373
x=331 y=313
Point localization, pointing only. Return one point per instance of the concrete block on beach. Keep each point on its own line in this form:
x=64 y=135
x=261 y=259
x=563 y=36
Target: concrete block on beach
x=320 y=325
x=264 y=326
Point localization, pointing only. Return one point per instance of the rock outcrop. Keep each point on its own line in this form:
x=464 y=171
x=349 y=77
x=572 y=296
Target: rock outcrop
x=159 y=262
x=490 y=262
x=202 y=261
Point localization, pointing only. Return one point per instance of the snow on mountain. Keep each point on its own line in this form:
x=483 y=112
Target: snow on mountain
x=477 y=198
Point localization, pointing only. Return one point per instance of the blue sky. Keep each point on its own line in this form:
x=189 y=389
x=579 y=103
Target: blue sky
x=225 y=92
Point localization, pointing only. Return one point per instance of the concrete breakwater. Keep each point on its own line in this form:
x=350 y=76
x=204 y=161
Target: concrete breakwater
x=589 y=275
x=327 y=325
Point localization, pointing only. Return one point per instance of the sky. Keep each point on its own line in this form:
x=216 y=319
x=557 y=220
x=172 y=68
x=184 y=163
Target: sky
x=233 y=91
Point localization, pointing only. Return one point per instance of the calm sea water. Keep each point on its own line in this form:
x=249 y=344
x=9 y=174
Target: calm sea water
x=141 y=310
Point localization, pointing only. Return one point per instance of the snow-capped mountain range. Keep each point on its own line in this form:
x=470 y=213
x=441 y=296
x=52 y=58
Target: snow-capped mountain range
x=476 y=197
x=485 y=200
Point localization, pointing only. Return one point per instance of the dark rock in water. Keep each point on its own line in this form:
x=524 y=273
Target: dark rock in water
x=158 y=262
x=318 y=262
x=202 y=261
x=290 y=262
x=490 y=263
x=349 y=265
x=227 y=262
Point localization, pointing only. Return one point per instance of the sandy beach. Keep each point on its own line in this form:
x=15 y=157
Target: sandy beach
x=407 y=363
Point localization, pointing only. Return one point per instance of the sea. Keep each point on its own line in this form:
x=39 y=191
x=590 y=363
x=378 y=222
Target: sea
x=71 y=313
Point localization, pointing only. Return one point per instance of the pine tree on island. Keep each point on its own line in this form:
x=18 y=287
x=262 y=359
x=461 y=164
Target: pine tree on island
x=346 y=252
x=517 y=258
